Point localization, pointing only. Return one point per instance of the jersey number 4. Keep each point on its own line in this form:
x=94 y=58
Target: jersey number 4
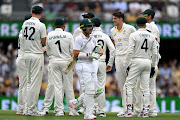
x=27 y=31
x=144 y=45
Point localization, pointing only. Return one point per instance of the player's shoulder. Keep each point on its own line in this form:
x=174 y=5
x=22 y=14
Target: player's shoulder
x=78 y=29
x=113 y=29
x=67 y=33
x=128 y=26
x=78 y=38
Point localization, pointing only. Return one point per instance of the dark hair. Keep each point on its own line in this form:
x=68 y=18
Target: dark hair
x=119 y=15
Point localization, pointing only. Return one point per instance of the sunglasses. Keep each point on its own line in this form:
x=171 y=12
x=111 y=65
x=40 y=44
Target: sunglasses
x=144 y=15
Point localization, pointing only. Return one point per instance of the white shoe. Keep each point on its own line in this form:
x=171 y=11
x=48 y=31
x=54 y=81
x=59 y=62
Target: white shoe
x=145 y=115
x=45 y=111
x=71 y=113
x=19 y=113
x=60 y=113
x=152 y=114
x=90 y=117
x=72 y=104
x=124 y=114
x=81 y=110
x=37 y=113
x=102 y=115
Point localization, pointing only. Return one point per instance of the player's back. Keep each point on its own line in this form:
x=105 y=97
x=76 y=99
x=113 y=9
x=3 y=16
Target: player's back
x=33 y=30
x=60 y=44
x=101 y=39
x=143 y=43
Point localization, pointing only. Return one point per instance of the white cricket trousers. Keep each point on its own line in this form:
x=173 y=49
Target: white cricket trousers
x=35 y=66
x=152 y=88
x=139 y=68
x=101 y=81
x=62 y=83
x=87 y=75
x=67 y=84
x=119 y=64
x=49 y=95
x=21 y=69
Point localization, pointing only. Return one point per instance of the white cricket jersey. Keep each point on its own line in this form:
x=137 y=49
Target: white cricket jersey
x=121 y=38
x=33 y=31
x=142 y=44
x=155 y=31
x=80 y=41
x=77 y=32
x=59 y=45
x=104 y=39
x=20 y=45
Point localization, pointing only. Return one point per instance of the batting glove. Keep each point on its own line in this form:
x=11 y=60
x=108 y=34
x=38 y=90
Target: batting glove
x=152 y=72
x=94 y=55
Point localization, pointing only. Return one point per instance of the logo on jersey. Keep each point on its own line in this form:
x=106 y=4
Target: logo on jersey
x=119 y=42
x=124 y=32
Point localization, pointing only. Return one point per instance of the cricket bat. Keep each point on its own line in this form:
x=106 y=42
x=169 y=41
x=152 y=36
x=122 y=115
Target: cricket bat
x=69 y=65
x=73 y=60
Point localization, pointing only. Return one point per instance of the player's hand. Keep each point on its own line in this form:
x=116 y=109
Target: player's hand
x=44 y=49
x=108 y=68
x=126 y=68
x=101 y=52
x=152 y=72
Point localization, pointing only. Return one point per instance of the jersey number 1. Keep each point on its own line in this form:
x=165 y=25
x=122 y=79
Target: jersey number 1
x=58 y=42
x=144 y=45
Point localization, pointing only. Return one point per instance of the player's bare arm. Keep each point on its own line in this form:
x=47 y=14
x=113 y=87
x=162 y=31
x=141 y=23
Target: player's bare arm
x=43 y=41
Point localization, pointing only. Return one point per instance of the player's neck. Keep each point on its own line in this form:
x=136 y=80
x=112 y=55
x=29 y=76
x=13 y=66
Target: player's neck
x=87 y=35
x=149 y=21
x=119 y=27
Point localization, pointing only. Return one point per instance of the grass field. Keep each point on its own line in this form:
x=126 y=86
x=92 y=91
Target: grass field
x=11 y=115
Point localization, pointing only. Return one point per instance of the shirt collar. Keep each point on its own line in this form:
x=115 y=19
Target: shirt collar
x=142 y=29
x=121 y=28
x=152 y=22
x=34 y=18
x=83 y=36
x=58 y=29
x=97 y=29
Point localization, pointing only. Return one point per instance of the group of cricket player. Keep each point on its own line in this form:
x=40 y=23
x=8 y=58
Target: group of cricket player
x=136 y=55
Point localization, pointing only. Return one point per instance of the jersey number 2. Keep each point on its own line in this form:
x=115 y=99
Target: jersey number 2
x=58 y=42
x=144 y=45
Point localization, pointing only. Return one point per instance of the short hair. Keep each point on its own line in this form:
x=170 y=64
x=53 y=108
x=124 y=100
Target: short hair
x=119 y=15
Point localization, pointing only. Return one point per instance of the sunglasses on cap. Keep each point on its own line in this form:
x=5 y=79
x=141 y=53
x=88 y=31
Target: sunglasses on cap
x=144 y=15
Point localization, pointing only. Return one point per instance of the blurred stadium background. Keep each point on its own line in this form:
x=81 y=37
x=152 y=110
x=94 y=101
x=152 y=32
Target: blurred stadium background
x=167 y=17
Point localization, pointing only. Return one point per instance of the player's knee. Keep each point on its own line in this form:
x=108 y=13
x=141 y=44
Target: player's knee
x=90 y=87
x=129 y=94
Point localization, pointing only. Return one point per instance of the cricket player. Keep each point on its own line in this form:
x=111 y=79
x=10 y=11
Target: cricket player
x=34 y=35
x=142 y=46
x=59 y=46
x=78 y=31
x=120 y=37
x=85 y=68
x=152 y=28
x=69 y=92
x=21 y=68
x=103 y=39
